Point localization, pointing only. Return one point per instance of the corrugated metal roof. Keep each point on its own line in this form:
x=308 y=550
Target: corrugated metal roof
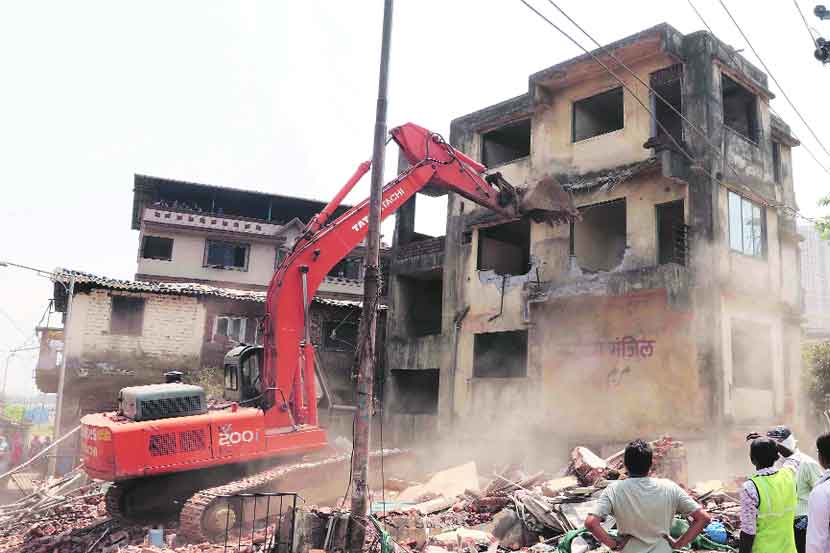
x=182 y=288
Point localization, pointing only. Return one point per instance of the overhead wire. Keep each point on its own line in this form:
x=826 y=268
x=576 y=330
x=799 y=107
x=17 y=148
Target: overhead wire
x=806 y=25
x=772 y=76
x=696 y=128
x=617 y=78
x=680 y=148
x=802 y=143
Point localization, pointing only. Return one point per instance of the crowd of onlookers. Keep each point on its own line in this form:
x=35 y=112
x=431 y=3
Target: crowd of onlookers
x=14 y=451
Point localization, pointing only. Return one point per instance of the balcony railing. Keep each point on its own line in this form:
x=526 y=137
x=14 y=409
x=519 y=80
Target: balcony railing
x=208 y=221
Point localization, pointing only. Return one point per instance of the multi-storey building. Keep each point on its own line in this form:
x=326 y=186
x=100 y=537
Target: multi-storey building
x=815 y=281
x=225 y=237
x=673 y=305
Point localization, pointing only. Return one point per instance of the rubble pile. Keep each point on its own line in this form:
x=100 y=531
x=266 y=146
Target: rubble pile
x=55 y=507
x=454 y=511
x=517 y=510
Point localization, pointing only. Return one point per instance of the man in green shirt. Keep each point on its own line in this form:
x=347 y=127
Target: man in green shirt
x=644 y=508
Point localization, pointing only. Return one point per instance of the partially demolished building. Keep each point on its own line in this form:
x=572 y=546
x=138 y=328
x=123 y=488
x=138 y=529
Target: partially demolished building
x=672 y=306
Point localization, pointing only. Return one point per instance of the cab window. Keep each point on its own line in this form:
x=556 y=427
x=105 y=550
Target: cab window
x=231 y=378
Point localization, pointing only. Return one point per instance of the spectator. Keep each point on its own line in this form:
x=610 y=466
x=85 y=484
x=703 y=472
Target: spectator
x=16 y=449
x=818 y=506
x=34 y=446
x=807 y=473
x=644 y=508
x=768 y=501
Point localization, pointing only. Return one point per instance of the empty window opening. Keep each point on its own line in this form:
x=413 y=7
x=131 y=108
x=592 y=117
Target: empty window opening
x=226 y=255
x=422 y=304
x=671 y=233
x=598 y=115
x=415 y=391
x=500 y=354
x=776 y=162
x=747 y=226
x=506 y=144
x=751 y=355
x=600 y=237
x=127 y=316
x=156 y=247
x=667 y=84
x=229 y=327
x=347 y=268
x=340 y=335
x=740 y=109
x=505 y=248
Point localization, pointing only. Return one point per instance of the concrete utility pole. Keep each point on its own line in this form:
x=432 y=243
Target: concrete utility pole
x=56 y=430
x=371 y=286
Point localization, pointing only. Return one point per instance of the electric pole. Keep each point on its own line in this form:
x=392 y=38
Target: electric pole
x=371 y=288
x=56 y=430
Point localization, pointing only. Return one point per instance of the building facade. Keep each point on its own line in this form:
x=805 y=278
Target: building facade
x=673 y=305
x=815 y=281
x=190 y=232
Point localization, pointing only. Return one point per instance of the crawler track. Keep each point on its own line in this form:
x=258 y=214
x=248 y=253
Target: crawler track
x=204 y=515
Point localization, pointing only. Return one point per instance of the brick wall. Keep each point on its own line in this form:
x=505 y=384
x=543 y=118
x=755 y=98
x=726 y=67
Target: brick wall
x=171 y=326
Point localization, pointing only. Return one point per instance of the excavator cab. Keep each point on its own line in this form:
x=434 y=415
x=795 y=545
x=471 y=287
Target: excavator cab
x=243 y=376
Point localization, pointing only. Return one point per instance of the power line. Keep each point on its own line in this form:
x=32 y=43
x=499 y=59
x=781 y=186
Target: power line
x=694 y=9
x=806 y=25
x=712 y=147
x=803 y=144
x=608 y=70
x=688 y=156
x=772 y=76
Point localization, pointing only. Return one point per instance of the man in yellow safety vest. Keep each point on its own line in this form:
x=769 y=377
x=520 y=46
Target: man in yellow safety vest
x=768 y=500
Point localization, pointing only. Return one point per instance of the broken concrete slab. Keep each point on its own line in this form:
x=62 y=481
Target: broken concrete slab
x=434 y=505
x=447 y=483
x=555 y=487
x=587 y=465
x=507 y=527
x=455 y=539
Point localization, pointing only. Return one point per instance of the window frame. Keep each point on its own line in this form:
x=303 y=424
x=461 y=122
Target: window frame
x=131 y=328
x=144 y=247
x=731 y=226
x=245 y=245
x=761 y=330
x=481 y=371
x=243 y=328
x=755 y=123
x=483 y=139
x=231 y=383
x=574 y=103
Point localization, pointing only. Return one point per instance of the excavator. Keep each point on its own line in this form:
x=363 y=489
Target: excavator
x=165 y=447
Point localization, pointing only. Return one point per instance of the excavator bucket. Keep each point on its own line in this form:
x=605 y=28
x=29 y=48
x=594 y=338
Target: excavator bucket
x=546 y=201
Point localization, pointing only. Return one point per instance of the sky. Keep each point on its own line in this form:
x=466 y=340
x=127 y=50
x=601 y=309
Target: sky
x=279 y=96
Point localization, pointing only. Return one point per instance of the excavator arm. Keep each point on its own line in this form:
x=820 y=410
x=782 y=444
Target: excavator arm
x=288 y=367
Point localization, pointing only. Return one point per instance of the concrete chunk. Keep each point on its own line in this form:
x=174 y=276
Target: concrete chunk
x=587 y=465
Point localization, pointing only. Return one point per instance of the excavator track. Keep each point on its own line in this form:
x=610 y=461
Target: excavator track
x=209 y=512
x=114 y=500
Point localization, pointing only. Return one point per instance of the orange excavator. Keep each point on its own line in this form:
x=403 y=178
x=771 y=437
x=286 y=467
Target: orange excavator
x=165 y=448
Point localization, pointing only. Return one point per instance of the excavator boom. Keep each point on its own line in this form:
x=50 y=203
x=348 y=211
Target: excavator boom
x=165 y=429
x=289 y=356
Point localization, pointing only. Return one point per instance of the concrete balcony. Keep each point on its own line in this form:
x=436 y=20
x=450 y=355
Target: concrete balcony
x=674 y=278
